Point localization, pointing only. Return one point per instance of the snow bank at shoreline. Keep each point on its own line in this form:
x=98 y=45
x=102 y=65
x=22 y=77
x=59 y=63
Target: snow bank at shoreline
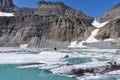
x=42 y=57
x=23 y=46
x=47 y=57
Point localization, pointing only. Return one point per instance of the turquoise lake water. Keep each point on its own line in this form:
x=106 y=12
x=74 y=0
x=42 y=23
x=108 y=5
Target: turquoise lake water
x=79 y=60
x=107 y=78
x=10 y=72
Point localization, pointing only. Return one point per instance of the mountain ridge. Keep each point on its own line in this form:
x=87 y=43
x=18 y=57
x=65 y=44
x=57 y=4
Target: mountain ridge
x=112 y=29
x=44 y=27
x=110 y=14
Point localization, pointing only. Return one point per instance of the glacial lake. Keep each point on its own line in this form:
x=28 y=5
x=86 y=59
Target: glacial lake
x=11 y=72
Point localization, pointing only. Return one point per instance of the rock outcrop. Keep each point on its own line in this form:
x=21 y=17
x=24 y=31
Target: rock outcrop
x=6 y=3
x=112 y=29
x=92 y=68
x=111 y=14
x=50 y=24
x=7 y=6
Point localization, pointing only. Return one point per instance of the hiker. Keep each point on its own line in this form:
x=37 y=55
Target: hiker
x=55 y=48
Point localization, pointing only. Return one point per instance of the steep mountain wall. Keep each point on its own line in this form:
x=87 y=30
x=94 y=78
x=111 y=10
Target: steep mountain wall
x=50 y=24
x=111 y=14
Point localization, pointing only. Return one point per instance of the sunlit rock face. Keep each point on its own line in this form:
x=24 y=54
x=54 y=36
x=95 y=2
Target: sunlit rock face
x=111 y=14
x=6 y=3
x=50 y=24
x=7 y=6
x=112 y=29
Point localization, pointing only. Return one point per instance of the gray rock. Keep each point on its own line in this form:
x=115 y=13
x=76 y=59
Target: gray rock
x=110 y=30
x=51 y=24
x=46 y=43
x=111 y=14
x=6 y=3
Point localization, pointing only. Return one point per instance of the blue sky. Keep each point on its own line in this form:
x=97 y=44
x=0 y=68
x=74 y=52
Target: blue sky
x=92 y=8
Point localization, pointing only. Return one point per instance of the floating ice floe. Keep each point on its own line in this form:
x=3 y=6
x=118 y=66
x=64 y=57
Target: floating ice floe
x=68 y=68
x=116 y=72
x=31 y=66
x=98 y=67
x=89 y=77
x=6 y=14
x=49 y=67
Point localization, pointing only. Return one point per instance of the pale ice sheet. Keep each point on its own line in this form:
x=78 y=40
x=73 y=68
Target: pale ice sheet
x=54 y=56
x=52 y=59
x=117 y=72
x=107 y=76
x=31 y=66
x=67 y=69
x=42 y=57
x=88 y=76
x=92 y=55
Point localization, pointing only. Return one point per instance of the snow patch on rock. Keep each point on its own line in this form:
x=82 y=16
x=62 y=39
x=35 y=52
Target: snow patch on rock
x=91 y=38
x=23 y=45
x=99 y=25
x=6 y=14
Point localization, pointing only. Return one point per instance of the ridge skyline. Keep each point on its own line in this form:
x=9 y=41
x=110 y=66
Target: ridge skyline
x=88 y=7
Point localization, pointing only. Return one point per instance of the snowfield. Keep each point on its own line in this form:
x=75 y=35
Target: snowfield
x=91 y=38
x=98 y=25
x=6 y=14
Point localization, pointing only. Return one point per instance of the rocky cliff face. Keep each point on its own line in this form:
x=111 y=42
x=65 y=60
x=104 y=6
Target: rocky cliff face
x=6 y=3
x=7 y=6
x=50 y=24
x=112 y=29
x=111 y=14
x=110 y=34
